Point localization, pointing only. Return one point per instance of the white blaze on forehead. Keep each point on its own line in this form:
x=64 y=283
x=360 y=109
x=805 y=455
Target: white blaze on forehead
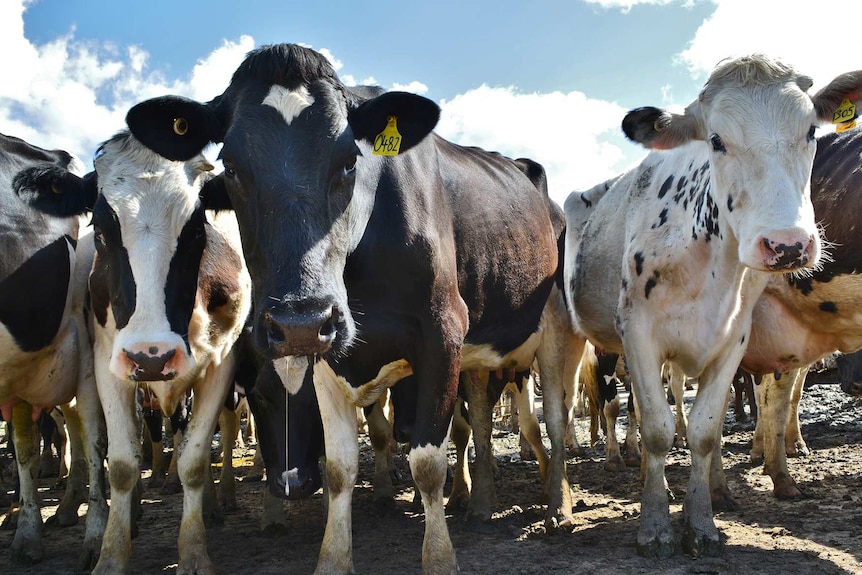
x=289 y=103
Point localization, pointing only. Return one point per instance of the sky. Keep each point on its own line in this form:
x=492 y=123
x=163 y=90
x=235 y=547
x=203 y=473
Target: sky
x=549 y=80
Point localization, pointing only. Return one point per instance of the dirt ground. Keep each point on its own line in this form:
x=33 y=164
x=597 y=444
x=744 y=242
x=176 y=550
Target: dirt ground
x=819 y=534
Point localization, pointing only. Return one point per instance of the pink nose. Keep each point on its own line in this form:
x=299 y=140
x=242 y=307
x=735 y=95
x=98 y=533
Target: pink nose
x=154 y=362
x=788 y=253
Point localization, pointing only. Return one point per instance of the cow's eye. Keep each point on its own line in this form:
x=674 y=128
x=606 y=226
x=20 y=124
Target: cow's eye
x=811 y=133
x=350 y=166
x=229 y=171
x=717 y=144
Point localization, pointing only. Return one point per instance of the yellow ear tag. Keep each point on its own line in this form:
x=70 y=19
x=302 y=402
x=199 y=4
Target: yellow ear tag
x=846 y=112
x=388 y=142
x=844 y=126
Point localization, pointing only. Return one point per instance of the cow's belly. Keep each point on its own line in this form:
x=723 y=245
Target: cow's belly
x=790 y=329
x=46 y=377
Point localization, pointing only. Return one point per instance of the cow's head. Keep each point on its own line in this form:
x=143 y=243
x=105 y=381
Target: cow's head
x=758 y=122
x=300 y=174
x=149 y=228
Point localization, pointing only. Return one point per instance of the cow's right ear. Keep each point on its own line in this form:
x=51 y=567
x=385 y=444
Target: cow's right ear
x=214 y=195
x=659 y=129
x=176 y=128
x=56 y=191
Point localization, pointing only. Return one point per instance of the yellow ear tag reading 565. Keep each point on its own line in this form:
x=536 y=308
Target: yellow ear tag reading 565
x=388 y=142
x=845 y=116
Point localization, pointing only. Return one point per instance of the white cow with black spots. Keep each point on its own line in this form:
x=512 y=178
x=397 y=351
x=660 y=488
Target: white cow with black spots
x=684 y=244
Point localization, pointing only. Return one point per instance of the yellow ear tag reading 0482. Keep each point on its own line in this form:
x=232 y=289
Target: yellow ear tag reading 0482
x=388 y=142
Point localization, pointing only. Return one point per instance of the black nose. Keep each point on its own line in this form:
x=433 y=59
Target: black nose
x=293 y=333
x=303 y=483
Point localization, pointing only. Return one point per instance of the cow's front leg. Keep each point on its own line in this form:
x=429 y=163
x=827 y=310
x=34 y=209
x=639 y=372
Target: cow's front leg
x=700 y=536
x=655 y=535
x=27 y=544
x=124 y=464
x=193 y=466
x=338 y=415
x=483 y=493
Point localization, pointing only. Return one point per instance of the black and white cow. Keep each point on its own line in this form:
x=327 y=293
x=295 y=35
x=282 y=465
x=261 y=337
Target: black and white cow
x=170 y=293
x=687 y=241
x=800 y=319
x=46 y=357
x=443 y=256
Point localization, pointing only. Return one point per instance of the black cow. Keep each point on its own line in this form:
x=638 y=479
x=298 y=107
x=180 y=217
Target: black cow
x=45 y=351
x=443 y=256
x=850 y=372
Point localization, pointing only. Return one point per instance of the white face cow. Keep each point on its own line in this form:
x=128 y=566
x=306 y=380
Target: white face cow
x=667 y=262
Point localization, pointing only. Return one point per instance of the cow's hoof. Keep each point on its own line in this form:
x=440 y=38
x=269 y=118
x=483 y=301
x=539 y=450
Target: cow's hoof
x=26 y=551
x=89 y=556
x=198 y=566
x=575 y=451
x=788 y=492
x=110 y=567
x=383 y=506
x=756 y=458
x=633 y=461
x=723 y=501
x=798 y=450
x=459 y=502
x=558 y=524
x=615 y=464
x=699 y=544
x=66 y=516
x=274 y=530
x=658 y=548
x=527 y=454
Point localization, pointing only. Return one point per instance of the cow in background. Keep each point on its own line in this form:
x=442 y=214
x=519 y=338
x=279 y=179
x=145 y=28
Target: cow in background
x=45 y=350
x=448 y=255
x=686 y=242
x=170 y=294
x=800 y=319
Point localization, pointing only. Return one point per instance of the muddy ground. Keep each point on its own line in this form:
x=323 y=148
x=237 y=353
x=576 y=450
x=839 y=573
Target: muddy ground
x=819 y=534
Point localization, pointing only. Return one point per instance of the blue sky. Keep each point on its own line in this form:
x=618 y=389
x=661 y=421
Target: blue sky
x=549 y=80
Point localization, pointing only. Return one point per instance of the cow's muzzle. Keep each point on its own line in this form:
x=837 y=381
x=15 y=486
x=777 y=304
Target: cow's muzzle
x=785 y=254
x=297 y=334
x=295 y=483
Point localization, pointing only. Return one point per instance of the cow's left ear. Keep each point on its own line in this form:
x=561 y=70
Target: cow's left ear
x=176 y=128
x=56 y=191
x=214 y=195
x=414 y=116
x=828 y=101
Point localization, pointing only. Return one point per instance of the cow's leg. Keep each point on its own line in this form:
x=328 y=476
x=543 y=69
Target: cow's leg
x=633 y=451
x=193 y=466
x=76 y=482
x=558 y=356
x=756 y=453
x=172 y=483
x=529 y=425
x=94 y=440
x=677 y=383
x=700 y=536
x=272 y=520
x=338 y=415
x=229 y=425
x=459 y=496
x=794 y=443
x=124 y=457
x=613 y=460
x=655 y=535
x=27 y=543
x=571 y=390
x=774 y=415
x=483 y=493
x=160 y=461
x=380 y=434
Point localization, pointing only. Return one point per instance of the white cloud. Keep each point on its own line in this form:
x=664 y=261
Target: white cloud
x=626 y=5
x=336 y=63
x=415 y=87
x=569 y=134
x=73 y=94
x=814 y=47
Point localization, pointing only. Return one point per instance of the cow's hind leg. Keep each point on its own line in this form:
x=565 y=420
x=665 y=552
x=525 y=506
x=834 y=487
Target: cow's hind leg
x=27 y=543
x=529 y=425
x=794 y=443
x=380 y=434
x=459 y=496
x=483 y=494
x=229 y=425
x=773 y=420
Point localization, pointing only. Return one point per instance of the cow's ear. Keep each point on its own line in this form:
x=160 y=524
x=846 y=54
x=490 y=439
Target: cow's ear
x=214 y=195
x=414 y=118
x=829 y=101
x=174 y=127
x=659 y=129
x=56 y=191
